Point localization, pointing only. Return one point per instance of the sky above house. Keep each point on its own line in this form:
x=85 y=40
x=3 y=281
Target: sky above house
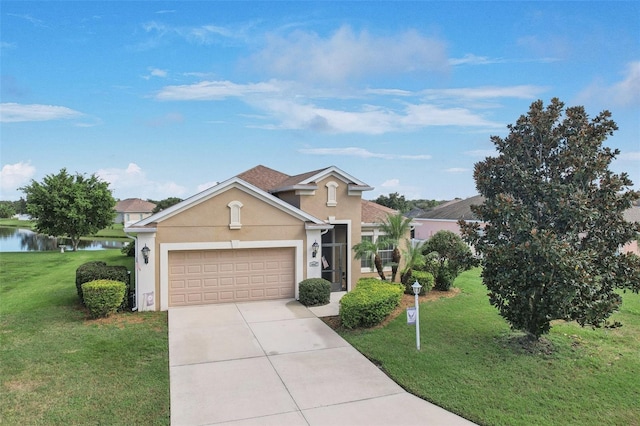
x=164 y=99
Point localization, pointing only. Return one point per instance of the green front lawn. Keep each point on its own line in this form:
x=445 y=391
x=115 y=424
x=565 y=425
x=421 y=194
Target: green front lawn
x=469 y=364
x=58 y=367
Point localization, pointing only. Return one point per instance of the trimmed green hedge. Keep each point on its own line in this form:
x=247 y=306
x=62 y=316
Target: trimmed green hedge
x=103 y=297
x=314 y=292
x=370 y=303
x=425 y=279
x=92 y=271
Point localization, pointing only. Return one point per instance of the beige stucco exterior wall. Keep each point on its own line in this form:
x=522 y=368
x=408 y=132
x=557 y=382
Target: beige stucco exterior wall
x=348 y=209
x=209 y=222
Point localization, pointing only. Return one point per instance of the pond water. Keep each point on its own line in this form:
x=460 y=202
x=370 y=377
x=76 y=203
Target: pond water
x=18 y=239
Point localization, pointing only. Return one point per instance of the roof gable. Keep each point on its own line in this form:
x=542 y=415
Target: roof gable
x=235 y=182
x=263 y=177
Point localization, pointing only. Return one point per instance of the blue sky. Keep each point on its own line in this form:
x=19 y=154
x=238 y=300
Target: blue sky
x=166 y=98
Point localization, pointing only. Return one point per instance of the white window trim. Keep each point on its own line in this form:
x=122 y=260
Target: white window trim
x=234 y=215
x=332 y=194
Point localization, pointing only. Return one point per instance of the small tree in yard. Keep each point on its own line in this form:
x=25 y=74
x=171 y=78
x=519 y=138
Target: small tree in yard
x=447 y=256
x=414 y=259
x=395 y=227
x=367 y=249
x=554 y=221
x=70 y=206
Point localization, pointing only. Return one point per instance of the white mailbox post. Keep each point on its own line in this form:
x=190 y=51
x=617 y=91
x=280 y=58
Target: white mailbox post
x=416 y=290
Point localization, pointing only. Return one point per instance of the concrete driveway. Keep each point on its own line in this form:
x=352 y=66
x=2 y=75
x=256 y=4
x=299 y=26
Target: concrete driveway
x=276 y=363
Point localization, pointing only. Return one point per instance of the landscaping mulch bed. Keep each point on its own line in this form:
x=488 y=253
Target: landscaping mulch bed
x=406 y=301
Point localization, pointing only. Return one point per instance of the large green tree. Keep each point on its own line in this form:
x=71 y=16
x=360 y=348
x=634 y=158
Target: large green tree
x=394 y=201
x=72 y=206
x=554 y=221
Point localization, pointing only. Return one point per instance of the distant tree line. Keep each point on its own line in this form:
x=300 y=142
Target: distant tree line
x=399 y=202
x=10 y=208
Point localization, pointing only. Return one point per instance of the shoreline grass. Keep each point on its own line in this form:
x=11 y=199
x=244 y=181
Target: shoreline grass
x=59 y=367
x=470 y=364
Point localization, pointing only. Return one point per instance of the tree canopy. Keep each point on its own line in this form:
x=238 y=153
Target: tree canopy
x=554 y=221
x=63 y=205
x=398 y=202
x=164 y=204
x=447 y=256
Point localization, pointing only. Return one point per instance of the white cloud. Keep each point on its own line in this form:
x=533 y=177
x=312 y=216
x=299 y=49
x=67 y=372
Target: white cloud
x=471 y=59
x=14 y=112
x=361 y=153
x=214 y=90
x=370 y=119
x=482 y=153
x=629 y=156
x=487 y=92
x=133 y=182
x=346 y=54
x=13 y=176
x=155 y=72
x=624 y=93
x=391 y=183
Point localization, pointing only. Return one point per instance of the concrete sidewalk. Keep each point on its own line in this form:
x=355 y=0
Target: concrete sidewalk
x=277 y=363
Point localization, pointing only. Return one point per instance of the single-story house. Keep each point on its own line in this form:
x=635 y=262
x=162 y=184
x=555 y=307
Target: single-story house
x=254 y=236
x=133 y=210
x=445 y=217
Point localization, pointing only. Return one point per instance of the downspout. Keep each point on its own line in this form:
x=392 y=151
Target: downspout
x=135 y=291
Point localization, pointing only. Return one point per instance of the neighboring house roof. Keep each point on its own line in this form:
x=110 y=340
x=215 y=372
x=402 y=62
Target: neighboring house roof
x=134 y=205
x=375 y=213
x=461 y=209
x=454 y=210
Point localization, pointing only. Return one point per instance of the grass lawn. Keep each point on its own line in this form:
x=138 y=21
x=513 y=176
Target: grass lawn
x=469 y=364
x=58 y=367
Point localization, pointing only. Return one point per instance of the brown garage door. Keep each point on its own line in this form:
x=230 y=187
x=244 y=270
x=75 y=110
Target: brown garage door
x=216 y=276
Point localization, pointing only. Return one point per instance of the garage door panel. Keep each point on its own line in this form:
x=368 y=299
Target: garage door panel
x=218 y=276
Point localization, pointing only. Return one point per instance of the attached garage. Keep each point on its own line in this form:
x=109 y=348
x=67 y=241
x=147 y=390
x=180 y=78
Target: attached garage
x=198 y=277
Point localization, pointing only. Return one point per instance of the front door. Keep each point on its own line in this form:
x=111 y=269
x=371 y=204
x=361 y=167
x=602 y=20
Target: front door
x=334 y=257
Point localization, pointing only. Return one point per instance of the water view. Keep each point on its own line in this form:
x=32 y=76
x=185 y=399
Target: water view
x=19 y=239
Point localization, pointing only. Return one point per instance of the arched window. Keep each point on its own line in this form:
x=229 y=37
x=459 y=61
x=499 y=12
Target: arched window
x=331 y=194
x=234 y=220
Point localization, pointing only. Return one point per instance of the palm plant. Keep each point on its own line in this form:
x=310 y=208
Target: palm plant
x=395 y=227
x=414 y=258
x=367 y=248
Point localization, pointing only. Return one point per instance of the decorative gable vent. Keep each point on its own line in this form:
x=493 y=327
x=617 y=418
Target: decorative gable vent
x=234 y=220
x=332 y=194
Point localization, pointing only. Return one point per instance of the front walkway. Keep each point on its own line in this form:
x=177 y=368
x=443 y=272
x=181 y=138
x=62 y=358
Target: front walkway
x=276 y=363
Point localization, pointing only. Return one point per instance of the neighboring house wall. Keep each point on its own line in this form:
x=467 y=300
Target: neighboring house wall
x=132 y=210
x=631 y=247
x=427 y=227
